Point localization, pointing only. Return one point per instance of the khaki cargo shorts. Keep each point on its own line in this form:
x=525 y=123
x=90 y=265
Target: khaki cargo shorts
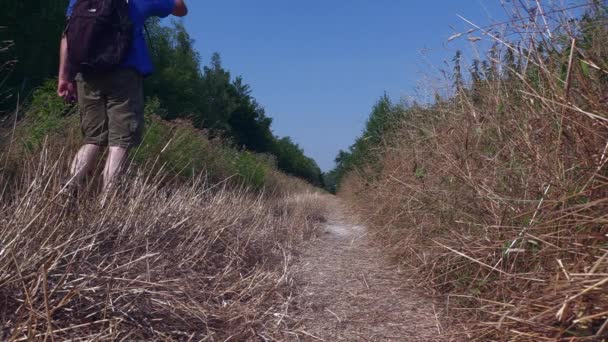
x=111 y=108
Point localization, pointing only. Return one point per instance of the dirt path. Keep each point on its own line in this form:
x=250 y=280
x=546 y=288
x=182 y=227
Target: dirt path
x=351 y=293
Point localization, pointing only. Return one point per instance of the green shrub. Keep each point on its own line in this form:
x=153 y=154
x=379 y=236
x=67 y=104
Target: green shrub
x=251 y=170
x=186 y=151
x=47 y=114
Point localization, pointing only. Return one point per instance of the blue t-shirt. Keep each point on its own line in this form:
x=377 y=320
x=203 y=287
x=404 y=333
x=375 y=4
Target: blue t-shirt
x=138 y=57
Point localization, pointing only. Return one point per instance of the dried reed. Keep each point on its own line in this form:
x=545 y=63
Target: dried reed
x=163 y=259
x=499 y=195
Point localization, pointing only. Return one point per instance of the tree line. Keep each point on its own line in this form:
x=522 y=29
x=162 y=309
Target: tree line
x=209 y=96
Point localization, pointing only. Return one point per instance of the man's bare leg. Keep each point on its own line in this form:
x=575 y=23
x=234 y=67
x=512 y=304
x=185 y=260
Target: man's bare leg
x=115 y=163
x=83 y=162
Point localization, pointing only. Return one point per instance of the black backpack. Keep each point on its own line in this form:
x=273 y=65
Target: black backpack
x=99 y=35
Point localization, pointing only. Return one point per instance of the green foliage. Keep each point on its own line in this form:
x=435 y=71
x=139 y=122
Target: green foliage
x=35 y=28
x=177 y=74
x=182 y=150
x=251 y=169
x=248 y=122
x=47 y=114
x=291 y=159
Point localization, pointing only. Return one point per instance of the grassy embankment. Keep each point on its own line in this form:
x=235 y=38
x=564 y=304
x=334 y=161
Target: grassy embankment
x=498 y=196
x=196 y=244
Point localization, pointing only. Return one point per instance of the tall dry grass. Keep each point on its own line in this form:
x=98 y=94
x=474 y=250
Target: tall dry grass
x=7 y=63
x=163 y=259
x=498 y=197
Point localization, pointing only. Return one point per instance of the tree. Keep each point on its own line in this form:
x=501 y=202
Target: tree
x=249 y=124
x=35 y=29
x=177 y=79
x=218 y=98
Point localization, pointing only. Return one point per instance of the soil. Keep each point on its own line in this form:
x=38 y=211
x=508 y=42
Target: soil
x=352 y=293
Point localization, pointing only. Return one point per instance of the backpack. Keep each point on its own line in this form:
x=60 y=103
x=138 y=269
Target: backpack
x=99 y=35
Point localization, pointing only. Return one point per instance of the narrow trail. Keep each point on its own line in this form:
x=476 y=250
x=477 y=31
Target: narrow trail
x=352 y=293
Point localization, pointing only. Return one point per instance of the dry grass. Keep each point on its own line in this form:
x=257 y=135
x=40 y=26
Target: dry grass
x=6 y=66
x=499 y=196
x=164 y=259
x=351 y=292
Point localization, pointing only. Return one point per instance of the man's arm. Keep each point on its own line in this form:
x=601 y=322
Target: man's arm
x=180 y=9
x=65 y=86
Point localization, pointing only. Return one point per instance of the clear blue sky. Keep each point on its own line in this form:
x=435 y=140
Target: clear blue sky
x=318 y=66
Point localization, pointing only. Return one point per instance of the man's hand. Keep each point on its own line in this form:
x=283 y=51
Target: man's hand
x=66 y=90
x=180 y=9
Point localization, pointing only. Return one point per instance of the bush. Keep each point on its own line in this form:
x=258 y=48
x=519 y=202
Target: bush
x=45 y=115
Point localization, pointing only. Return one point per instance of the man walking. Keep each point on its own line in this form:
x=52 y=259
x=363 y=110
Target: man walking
x=106 y=74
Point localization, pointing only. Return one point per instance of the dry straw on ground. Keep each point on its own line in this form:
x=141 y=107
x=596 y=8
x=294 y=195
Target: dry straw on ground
x=162 y=260
x=499 y=196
